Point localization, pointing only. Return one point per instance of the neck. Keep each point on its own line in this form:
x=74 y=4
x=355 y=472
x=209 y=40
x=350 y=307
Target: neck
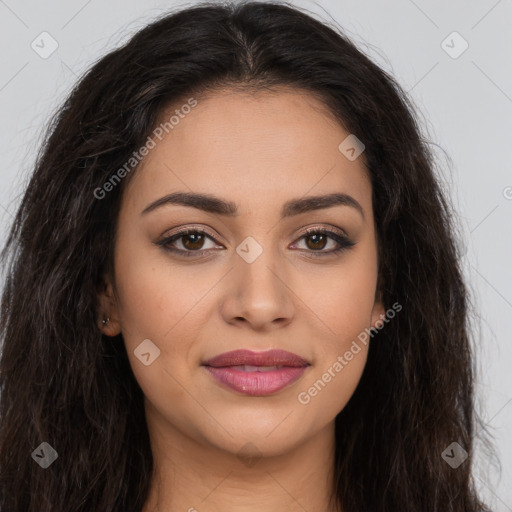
x=199 y=477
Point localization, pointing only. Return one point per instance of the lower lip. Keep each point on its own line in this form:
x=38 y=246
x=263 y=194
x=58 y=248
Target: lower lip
x=256 y=383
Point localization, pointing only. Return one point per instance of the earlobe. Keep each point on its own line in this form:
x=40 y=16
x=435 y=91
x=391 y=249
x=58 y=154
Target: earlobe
x=109 y=326
x=108 y=322
x=378 y=312
x=378 y=315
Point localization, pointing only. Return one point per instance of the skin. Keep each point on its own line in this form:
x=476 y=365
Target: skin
x=258 y=151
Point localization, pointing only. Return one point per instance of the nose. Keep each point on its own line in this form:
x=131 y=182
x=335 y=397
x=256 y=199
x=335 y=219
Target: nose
x=258 y=295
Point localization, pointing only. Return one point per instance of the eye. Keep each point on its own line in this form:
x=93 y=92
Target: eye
x=316 y=239
x=187 y=242
x=192 y=242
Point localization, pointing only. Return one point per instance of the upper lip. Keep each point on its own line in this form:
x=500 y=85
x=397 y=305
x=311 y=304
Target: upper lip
x=248 y=357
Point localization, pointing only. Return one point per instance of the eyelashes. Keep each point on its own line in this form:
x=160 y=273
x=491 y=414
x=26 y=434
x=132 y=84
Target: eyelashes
x=189 y=238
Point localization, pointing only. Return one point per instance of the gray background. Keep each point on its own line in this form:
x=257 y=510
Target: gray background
x=466 y=106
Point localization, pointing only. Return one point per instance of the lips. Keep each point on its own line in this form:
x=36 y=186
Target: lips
x=247 y=357
x=256 y=373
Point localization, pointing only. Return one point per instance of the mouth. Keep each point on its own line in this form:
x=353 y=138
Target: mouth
x=250 y=368
x=256 y=373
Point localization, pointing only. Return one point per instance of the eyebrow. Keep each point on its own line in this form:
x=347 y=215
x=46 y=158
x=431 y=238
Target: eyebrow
x=213 y=204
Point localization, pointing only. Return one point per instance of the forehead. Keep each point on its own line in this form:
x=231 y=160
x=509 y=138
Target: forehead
x=251 y=146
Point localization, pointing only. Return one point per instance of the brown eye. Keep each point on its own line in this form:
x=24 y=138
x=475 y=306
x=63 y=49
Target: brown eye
x=318 y=241
x=189 y=242
x=193 y=241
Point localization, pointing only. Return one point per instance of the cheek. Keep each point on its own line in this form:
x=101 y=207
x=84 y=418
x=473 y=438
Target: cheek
x=340 y=306
x=164 y=304
x=155 y=295
x=340 y=303
x=140 y=301
x=159 y=304
x=340 y=360
x=332 y=386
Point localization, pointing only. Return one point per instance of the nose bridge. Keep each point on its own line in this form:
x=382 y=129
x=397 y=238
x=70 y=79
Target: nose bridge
x=258 y=289
x=257 y=266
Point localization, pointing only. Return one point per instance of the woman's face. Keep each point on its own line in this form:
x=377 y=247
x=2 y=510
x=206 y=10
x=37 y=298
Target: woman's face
x=250 y=279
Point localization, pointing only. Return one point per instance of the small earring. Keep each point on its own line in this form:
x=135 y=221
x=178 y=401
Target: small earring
x=105 y=321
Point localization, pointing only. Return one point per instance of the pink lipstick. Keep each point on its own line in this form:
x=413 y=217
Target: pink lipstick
x=256 y=373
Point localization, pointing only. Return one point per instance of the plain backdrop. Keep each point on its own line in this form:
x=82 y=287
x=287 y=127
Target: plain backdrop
x=454 y=59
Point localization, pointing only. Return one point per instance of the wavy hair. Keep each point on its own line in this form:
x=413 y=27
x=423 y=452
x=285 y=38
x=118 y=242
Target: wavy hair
x=63 y=382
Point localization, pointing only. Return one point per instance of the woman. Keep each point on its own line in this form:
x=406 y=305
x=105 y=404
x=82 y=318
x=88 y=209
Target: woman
x=233 y=284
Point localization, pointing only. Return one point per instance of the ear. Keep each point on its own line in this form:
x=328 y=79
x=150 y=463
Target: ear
x=108 y=308
x=378 y=311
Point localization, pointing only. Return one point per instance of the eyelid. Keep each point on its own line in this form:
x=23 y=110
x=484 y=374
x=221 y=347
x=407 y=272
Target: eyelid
x=333 y=232
x=338 y=235
x=182 y=230
x=201 y=227
x=325 y=227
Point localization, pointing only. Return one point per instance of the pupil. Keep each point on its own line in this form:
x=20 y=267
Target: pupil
x=317 y=237
x=197 y=241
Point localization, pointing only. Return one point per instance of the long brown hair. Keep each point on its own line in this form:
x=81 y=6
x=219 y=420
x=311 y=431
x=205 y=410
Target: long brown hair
x=64 y=383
